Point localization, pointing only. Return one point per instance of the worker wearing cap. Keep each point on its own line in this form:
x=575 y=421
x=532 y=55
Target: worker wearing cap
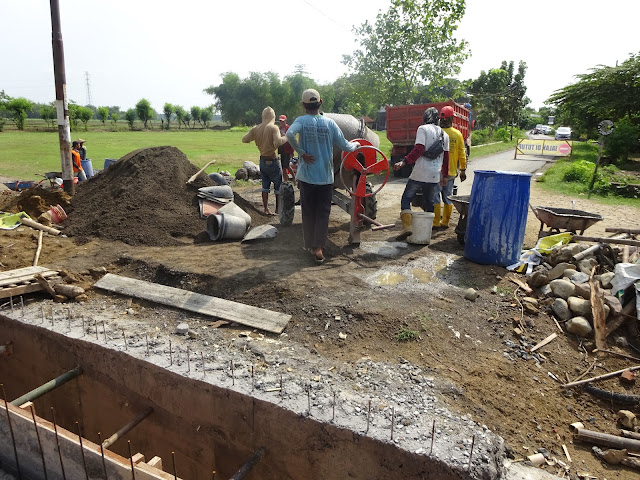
x=457 y=159
x=318 y=135
x=82 y=150
x=285 y=150
x=78 y=171
x=268 y=138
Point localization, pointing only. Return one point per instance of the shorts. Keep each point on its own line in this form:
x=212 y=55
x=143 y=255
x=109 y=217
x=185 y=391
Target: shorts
x=285 y=159
x=271 y=173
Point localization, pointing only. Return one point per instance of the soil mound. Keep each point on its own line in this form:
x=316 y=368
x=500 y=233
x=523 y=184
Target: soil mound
x=142 y=199
x=34 y=201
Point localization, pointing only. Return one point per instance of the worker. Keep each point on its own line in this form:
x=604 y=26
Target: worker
x=318 y=135
x=427 y=172
x=285 y=150
x=268 y=138
x=82 y=150
x=78 y=171
x=457 y=159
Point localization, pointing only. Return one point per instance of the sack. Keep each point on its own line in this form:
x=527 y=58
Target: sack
x=436 y=148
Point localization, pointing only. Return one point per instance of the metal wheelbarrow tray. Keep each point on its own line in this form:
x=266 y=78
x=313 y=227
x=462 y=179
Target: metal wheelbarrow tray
x=461 y=202
x=558 y=219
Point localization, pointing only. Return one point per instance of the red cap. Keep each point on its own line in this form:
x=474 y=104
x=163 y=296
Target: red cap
x=446 y=112
x=282 y=118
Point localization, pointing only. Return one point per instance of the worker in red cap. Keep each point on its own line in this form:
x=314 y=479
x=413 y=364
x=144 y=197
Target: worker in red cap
x=457 y=160
x=285 y=150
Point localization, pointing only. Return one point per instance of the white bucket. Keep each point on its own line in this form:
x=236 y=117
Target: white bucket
x=421 y=224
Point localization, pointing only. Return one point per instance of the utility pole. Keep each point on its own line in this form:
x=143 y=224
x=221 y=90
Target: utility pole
x=86 y=77
x=62 y=106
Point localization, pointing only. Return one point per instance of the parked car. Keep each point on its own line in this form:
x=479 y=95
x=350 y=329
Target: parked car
x=563 y=133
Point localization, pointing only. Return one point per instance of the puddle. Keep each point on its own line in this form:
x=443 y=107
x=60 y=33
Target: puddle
x=422 y=276
x=385 y=249
x=390 y=278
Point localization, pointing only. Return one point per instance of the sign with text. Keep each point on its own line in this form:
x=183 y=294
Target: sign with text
x=554 y=148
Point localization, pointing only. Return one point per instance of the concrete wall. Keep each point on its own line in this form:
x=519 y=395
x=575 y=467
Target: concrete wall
x=209 y=427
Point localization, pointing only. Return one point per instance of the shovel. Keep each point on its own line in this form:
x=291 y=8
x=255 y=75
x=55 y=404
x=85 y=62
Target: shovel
x=194 y=176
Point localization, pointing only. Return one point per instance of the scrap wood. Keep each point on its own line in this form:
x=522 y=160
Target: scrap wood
x=620 y=319
x=541 y=344
x=46 y=286
x=600 y=377
x=629 y=434
x=619 y=241
x=566 y=453
x=248 y=315
x=36 y=257
x=616 y=457
x=633 y=231
x=597 y=309
x=622 y=355
x=521 y=284
x=39 y=226
x=583 y=374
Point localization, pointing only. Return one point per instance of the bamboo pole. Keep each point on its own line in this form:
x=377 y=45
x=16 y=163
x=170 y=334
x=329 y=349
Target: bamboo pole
x=600 y=377
x=36 y=257
x=47 y=387
x=620 y=241
x=126 y=428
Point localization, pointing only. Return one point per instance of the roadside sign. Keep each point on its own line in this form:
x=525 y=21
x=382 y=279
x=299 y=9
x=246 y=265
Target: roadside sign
x=552 y=148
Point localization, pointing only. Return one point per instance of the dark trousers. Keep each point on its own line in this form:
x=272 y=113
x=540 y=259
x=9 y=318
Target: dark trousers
x=315 y=202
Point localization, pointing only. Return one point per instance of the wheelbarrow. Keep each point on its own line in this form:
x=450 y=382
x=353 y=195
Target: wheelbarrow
x=461 y=202
x=563 y=219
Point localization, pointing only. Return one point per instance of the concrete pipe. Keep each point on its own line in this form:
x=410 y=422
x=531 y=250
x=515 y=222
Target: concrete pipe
x=226 y=227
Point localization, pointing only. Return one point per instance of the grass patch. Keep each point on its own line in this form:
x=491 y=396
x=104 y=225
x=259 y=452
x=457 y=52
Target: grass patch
x=407 y=335
x=572 y=176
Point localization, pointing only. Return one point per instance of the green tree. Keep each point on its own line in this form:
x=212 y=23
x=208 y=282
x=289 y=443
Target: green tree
x=85 y=114
x=144 y=111
x=18 y=108
x=168 y=110
x=410 y=44
x=186 y=119
x=130 y=117
x=623 y=140
x=206 y=114
x=74 y=114
x=103 y=114
x=48 y=114
x=180 y=113
x=603 y=93
x=115 y=116
x=195 y=115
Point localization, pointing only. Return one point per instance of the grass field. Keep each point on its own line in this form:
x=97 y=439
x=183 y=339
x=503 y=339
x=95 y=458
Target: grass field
x=26 y=154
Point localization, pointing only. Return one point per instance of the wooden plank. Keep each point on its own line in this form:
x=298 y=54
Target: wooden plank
x=26 y=277
x=597 y=309
x=620 y=241
x=544 y=342
x=21 y=271
x=33 y=286
x=248 y=315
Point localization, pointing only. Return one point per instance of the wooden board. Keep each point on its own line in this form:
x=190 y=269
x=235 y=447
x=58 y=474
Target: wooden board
x=28 y=287
x=21 y=280
x=248 y=315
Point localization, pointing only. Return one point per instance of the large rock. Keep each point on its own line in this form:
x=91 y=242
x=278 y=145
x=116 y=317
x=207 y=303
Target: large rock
x=561 y=309
x=242 y=174
x=252 y=169
x=613 y=303
x=586 y=265
x=579 y=277
x=558 y=270
x=583 y=290
x=565 y=253
x=579 y=326
x=579 y=306
x=569 y=272
x=538 y=278
x=562 y=288
x=605 y=279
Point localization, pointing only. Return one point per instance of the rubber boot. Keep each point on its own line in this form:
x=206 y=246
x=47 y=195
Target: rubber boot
x=436 y=217
x=446 y=216
x=405 y=216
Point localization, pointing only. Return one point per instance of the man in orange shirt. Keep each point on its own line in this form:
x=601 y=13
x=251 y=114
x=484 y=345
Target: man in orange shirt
x=78 y=171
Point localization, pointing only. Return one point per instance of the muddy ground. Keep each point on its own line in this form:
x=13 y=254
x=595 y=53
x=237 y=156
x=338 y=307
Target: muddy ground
x=375 y=295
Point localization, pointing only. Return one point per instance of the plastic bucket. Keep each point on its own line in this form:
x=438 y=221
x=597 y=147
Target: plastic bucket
x=226 y=227
x=87 y=166
x=109 y=161
x=421 y=224
x=57 y=214
x=497 y=218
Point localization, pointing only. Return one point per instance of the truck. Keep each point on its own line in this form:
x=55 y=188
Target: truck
x=403 y=121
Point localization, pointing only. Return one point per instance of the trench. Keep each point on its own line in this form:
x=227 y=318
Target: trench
x=197 y=426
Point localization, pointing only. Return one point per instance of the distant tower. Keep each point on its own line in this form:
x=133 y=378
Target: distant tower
x=88 y=82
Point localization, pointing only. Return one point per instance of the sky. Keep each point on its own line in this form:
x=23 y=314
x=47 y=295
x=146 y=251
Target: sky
x=170 y=51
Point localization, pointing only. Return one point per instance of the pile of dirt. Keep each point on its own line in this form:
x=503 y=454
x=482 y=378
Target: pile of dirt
x=143 y=198
x=34 y=201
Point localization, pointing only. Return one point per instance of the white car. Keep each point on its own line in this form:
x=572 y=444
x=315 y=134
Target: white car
x=563 y=133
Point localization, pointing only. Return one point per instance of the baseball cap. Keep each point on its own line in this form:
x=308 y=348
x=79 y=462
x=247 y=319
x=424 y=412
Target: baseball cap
x=446 y=112
x=282 y=118
x=310 y=96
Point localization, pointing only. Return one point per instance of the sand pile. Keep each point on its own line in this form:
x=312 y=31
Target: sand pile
x=142 y=199
x=34 y=201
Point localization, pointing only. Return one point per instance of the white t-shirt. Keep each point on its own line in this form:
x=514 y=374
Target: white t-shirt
x=428 y=169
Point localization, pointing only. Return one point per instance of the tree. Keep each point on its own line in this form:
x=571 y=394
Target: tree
x=18 y=108
x=195 y=115
x=144 y=111
x=74 y=114
x=130 y=117
x=206 y=114
x=186 y=119
x=48 y=114
x=604 y=93
x=410 y=44
x=85 y=114
x=114 y=118
x=103 y=114
x=180 y=113
x=168 y=110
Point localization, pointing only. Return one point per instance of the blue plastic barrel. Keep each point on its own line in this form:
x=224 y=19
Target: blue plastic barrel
x=109 y=161
x=497 y=218
x=87 y=166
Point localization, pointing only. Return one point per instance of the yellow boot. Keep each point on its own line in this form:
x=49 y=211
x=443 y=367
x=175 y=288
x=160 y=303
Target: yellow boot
x=405 y=216
x=436 y=213
x=446 y=215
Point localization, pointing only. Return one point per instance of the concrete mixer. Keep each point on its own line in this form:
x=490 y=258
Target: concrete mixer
x=352 y=173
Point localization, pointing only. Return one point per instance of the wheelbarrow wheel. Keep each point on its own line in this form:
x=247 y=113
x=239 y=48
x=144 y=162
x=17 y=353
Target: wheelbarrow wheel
x=287 y=204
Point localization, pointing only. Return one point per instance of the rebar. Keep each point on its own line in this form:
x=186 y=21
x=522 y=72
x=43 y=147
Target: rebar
x=84 y=460
x=104 y=465
x=433 y=434
x=104 y=331
x=13 y=439
x=233 y=376
x=124 y=337
x=11 y=302
x=473 y=441
x=133 y=470
x=22 y=305
x=252 y=379
x=170 y=354
x=55 y=429
x=95 y=324
x=42 y=313
x=204 y=371
x=393 y=418
x=83 y=327
x=309 y=399
x=35 y=425
x=188 y=361
x=368 y=417
x=175 y=472
x=333 y=408
x=146 y=338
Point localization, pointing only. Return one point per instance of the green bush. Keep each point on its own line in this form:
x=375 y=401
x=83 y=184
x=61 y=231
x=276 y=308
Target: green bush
x=502 y=135
x=479 y=137
x=622 y=141
x=580 y=171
